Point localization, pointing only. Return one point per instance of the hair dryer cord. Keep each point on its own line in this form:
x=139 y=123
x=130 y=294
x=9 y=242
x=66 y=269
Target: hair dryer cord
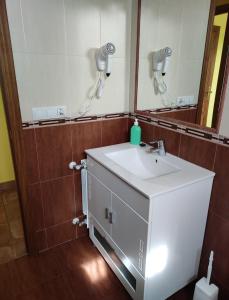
x=86 y=106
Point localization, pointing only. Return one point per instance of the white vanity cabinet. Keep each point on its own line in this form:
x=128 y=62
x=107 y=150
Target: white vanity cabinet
x=125 y=227
x=150 y=231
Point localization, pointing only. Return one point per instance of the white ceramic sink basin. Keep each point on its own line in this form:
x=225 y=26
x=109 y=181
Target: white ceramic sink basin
x=142 y=164
x=149 y=173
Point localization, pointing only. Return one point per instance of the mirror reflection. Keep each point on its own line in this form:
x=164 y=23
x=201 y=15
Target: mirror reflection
x=183 y=53
x=12 y=243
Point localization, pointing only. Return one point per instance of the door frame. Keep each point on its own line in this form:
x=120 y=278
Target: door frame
x=205 y=63
x=223 y=76
x=223 y=72
x=208 y=80
x=11 y=105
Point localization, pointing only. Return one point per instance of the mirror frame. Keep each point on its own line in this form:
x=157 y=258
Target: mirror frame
x=221 y=88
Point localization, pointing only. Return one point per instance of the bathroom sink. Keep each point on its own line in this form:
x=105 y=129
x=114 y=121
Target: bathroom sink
x=149 y=173
x=142 y=164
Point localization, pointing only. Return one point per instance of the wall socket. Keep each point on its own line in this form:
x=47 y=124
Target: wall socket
x=48 y=112
x=185 y=100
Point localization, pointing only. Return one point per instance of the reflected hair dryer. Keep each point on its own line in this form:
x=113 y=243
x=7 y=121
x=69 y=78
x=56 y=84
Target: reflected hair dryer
x=103 y=58
x=161 y=60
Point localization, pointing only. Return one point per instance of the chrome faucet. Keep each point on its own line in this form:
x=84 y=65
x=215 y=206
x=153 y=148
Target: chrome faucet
x=157 y=147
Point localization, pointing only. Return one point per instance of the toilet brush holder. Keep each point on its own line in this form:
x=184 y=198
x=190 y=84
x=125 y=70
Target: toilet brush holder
x=203 y=289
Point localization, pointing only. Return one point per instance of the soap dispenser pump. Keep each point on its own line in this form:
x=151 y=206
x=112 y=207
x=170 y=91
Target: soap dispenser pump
x=135 y=133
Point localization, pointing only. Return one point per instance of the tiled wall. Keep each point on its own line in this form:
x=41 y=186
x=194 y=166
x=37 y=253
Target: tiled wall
x=214 y=157
x=172 y=23
x=54 y=190
x=54 y=46
x=186 y=115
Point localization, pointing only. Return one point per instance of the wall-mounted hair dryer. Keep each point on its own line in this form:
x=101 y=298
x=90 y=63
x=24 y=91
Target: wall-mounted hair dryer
x=161 y=60
x=103 y=63
x=160 y=63
x=103 y=58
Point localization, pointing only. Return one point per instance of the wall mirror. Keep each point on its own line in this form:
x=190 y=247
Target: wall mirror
x=182 y=60
x=56 y=46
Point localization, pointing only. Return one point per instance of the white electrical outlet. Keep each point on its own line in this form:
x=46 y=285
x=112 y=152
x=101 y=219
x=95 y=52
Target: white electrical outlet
x=61 y=111
x=191 y=100
x=185 y=100
x=181 y=101
x=49 y=112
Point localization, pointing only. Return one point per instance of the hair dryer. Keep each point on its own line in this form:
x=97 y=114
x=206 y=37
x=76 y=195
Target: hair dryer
x=161 y=60
x=160 y=63
x=103 y=62
x=103 y=58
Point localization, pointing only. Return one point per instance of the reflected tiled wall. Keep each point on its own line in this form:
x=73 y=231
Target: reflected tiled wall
x=54 y=190
x=186 y=115
x=214 y=157
x=171 y=23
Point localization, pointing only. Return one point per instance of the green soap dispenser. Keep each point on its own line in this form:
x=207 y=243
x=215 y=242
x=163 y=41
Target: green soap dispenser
x=135 y=133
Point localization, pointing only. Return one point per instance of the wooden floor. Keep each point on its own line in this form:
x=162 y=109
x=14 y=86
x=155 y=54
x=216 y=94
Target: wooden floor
x=12 y=244
x=74 y=271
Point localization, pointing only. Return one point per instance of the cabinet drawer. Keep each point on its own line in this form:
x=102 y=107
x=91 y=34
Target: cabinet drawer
x=133 y=198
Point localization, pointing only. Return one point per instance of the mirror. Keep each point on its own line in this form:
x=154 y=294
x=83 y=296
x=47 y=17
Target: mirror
x=60 y=56
x=182 y=62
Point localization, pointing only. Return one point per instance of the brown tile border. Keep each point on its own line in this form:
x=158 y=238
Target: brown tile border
x=84 y=119
x=158 y=122
x=167 y=125
x=170 y=109
x=202 y=134
x=118 y=115
x=226 y=141
x=50 y=122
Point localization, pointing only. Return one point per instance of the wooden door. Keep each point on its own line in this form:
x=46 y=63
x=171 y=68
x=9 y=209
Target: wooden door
x=210 y=71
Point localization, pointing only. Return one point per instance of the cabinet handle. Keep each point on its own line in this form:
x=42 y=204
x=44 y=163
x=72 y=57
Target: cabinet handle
x=110 y=218
x=106 y=213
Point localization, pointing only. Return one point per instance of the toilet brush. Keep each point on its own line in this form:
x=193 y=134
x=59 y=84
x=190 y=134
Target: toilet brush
x=203 y=289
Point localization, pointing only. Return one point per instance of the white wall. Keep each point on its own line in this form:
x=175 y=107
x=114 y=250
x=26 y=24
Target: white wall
x=181 y=25
x=54 y=43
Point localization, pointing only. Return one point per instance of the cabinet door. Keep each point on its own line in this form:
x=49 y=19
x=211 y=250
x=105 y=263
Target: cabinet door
x=99 y=202
x=129 y=232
